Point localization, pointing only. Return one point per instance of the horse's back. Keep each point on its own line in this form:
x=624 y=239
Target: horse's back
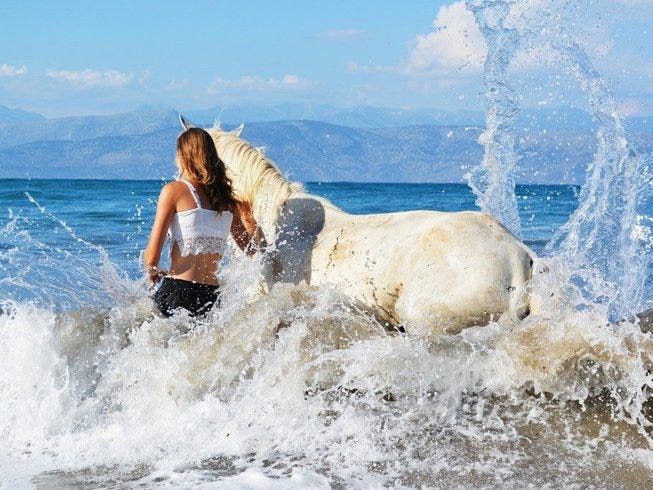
x=438 y=270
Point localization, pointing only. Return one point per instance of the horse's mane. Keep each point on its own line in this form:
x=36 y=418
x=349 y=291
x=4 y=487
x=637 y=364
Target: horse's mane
x=255 y=178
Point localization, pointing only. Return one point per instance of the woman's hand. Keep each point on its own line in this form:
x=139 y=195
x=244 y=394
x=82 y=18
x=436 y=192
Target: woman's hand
x=154 y=273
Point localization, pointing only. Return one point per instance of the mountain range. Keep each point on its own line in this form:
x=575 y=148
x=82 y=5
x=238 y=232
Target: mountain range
x=380 y=145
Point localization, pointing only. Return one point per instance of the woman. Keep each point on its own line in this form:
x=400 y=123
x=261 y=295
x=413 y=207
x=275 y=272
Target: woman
x=198 y=211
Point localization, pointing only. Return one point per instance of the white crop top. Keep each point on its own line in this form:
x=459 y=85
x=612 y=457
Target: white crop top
x=200 y=231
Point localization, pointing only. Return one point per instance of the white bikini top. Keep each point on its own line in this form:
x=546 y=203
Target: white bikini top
x=200 y=231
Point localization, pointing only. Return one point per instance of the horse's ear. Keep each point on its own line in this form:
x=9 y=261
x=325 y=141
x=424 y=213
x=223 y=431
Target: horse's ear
x=185 y=123
x=236 y=131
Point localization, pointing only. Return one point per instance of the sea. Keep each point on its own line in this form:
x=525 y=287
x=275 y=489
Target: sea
x=298 y=388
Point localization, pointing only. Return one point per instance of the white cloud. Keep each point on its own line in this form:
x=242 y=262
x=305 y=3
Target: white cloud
x=177 y=85
x=12 y=71
x=249 y=83
x=353 y=67
x=92 y=78
x=456 y=43
x=340 y=35
x=290 y=80
x=145 y=77
x=630 y=107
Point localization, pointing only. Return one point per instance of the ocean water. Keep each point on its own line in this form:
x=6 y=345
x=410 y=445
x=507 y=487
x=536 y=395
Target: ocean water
x=116 y=215
x=296 y=388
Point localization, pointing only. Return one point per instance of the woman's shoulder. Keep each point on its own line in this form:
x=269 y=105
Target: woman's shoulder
x=171 y=192
x=175 y=184
x=173 y=188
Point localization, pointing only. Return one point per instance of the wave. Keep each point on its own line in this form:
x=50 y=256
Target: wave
x=304 y=385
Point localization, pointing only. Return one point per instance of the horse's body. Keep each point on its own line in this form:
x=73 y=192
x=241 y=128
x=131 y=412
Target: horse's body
x=428 y=271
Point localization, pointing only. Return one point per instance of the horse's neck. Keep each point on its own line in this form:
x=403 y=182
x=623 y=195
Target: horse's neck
x=266 y=209
x=298 y=202
x=328 y=206
x=258 y=182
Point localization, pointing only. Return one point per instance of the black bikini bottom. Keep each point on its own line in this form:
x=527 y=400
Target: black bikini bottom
x=192 y=296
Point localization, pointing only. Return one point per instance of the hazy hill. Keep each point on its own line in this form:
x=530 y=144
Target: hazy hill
x=315 y=151
x=140 y=145
x=15 y=116
x=87 y=127
x=355 y=117
x=383 y=117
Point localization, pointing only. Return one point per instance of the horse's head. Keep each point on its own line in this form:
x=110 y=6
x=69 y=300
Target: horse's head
x=223 y=141
x=255 y=178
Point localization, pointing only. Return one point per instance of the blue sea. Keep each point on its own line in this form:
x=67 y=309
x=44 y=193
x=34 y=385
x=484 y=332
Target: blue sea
x=85 y=221
x=297 y=388
x=79 y=215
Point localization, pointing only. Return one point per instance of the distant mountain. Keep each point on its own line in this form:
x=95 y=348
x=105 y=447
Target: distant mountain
x=108 y=157
x=383 y=145
x=317 y=151
x=14 y=116
x=147 y=119
x=380 y=117
x=355 y=117
x=81 y=128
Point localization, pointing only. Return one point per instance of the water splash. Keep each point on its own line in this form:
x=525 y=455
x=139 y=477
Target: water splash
x=492 y=181
x=60 y=277
x=605 y=242
x=300 y=388
x=300 y=382
x=604 y=239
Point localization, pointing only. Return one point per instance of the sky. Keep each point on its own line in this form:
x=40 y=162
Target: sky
x=73 y=57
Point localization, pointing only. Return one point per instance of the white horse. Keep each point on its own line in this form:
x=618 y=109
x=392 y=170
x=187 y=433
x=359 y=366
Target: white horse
x=429 y=271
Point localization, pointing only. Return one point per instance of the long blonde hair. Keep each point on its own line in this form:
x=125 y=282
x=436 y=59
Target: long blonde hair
x=200 y=163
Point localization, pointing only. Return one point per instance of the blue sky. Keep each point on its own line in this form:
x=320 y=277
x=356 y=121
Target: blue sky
x=97 y=57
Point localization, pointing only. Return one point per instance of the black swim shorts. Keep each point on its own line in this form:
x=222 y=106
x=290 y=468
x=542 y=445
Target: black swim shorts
x=192 y=296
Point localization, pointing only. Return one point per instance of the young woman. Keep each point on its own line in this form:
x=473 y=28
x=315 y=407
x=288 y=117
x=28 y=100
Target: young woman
x=198 y=212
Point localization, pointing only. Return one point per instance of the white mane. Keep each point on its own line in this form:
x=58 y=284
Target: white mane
x=255 y=178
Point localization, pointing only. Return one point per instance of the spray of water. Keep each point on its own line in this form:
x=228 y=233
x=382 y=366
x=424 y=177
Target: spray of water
x=300 y=387
x=604 y=238
x=493 y=181
x=60 y=277
x=606 y=243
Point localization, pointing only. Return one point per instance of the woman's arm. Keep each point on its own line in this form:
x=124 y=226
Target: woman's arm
x=165 y=208
x=244 y=229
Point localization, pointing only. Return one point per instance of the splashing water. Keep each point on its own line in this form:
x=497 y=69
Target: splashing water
x=606 y=244
x=601 y=235
x=493 y=181
x=56 y=277
x=301 y=388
